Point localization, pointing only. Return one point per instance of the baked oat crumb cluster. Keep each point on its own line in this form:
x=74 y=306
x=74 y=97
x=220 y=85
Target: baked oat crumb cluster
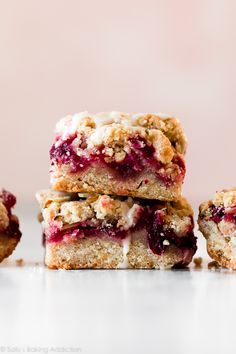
x=116 y=198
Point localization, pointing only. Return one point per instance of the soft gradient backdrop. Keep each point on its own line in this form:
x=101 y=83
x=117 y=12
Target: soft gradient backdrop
x=60 y=56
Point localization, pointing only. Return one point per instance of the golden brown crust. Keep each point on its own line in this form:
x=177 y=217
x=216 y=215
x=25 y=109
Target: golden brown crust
x=100 y=182
x=141 y=257
x=87 y=253
x=220 y=258
x=7 y=245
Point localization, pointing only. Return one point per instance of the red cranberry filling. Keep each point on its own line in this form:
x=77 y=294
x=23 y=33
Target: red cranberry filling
x=157 y=234
x=150 y=219
x=82 y=230
x=141 y=155
x=66 y=154
x=218 y=213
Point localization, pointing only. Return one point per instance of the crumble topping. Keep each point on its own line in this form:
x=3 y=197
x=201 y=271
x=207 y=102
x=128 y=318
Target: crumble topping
x=110 y=129
x=227 y=198
x=71 y=208
x=198 y=262
x=104 y=209
x=178 y=217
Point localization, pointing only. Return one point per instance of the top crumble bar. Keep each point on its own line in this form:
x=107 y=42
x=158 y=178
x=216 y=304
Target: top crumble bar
x=138 y=155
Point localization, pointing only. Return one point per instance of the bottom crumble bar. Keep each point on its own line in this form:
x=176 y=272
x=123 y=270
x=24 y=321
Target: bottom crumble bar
x=100 y=231
x=217 y=222
x=9 y=225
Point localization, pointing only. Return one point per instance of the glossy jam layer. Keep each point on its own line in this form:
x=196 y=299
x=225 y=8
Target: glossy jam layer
x=82 y=230
x=152 y=221
x=140 y=156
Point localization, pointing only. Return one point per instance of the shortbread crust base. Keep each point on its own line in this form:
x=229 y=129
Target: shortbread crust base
x=219 y=248
x=100 y=181
x=101 y=253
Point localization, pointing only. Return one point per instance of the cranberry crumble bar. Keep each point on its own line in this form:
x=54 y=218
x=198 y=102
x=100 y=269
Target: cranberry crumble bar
x=9 y=225
x=119 y=154
x=101 y=231
x=217 y=222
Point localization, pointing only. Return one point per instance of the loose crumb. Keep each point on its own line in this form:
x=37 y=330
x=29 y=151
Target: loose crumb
x=213 y=265
x=19 y=262
x=198 y=262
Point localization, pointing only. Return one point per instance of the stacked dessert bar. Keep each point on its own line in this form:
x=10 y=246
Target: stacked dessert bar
x=116 y=194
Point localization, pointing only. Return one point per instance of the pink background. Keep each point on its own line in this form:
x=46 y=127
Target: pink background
x=60 y=56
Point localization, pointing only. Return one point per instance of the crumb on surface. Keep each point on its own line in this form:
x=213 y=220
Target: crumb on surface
x=19 y=262
x=198 y=262
x=213 y=265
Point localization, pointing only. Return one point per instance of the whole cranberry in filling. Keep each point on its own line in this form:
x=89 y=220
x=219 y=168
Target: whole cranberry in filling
x=136 y=160
x=66 y=154
x=217 y=213
x=159 y=237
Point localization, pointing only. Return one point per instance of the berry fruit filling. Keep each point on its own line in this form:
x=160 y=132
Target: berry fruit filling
x=159 y=235
x=81 y=230
x=220 y=213
x=141 y=155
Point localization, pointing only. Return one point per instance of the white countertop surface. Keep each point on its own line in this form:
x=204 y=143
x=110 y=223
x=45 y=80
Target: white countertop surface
x=113 y=312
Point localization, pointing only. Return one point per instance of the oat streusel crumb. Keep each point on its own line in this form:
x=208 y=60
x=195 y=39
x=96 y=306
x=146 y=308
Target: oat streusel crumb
x=227 y=198
x=198 y=262
x=108 y=127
